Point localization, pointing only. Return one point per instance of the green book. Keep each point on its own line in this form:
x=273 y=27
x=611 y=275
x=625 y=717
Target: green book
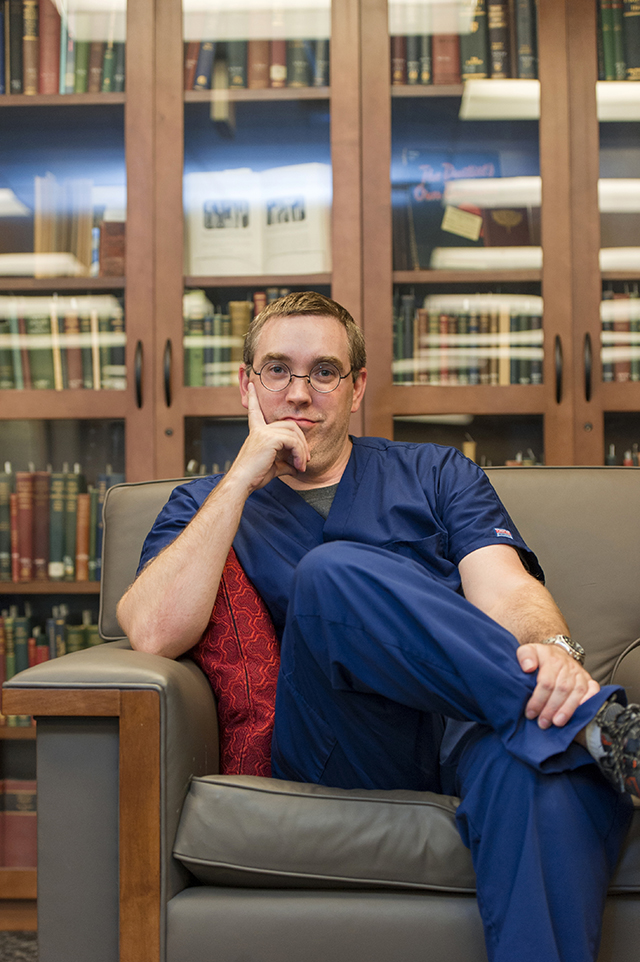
x=474 y=48
x=194 y=352
x=21 y=635
x=14 y=327
x=108 y=67
x=631 y=35
x=91 y=636
x=298 y=65
x=81 y=83
x=237 y=63
x=526 y=39
x=6 y=479
x=118 y=74
x=93 y=533
x=608 y=43
x=104 y=328
x=38 y=328
x=619 y=62
x=56 y=526
x=426 y=76
x=7 y=379
x=74 y=638
x=75 y=484
x=87 y=360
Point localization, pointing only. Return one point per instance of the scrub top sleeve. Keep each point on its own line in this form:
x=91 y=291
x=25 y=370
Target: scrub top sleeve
x=474 y=515
x=184 y=502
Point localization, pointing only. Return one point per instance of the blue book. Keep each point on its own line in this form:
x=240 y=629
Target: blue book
x=204 y=66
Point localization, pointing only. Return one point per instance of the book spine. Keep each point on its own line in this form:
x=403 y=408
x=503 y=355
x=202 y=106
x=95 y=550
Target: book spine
x=72 y=350
x=119 y=69
x=16 y=352
x=321 y=63
x=24 y=492
x=13 y=523
x=20 y=823
x=204 y=65
x=474 y=62
x=398 y=60
x=535 y=324
x=5 y=527
x=608 y=42
x=425 y=59
x=278 y=63
x=108 y=67
x=82 y=536
x=526 y=40
x=191 y=51
x=21 y=633
x=237 y=63
x=30 y=44
x=71 y=491
x=498 y=23
x=96 y=59
x=258 y=64
x=81 y=81
x=38 y=327
x=413 y=60
x=16 y=32
x=93 y=532
x=69 y=65
x=7 y=378
x=49 y=66
x=3 y=82
x=619 y=64
x=445 y=51
x=298 y=67
x=41 y=498
x=631 y=34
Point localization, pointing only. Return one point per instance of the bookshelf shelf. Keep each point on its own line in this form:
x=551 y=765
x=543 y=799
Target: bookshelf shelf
x=10 y=734
x=269 y=94
x=260 y=280
x=24 y=284
x=465 y=277
x=60 y=100
x=49 y=587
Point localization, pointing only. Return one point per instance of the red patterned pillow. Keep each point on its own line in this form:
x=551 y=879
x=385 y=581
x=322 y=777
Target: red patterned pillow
x=240 y=655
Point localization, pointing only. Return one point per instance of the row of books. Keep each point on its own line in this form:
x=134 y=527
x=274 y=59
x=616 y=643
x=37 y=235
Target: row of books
x=478 y=339
x=256 y=64
x=618 y=40
x=499 y=41
x=18 y=823
x=214 y=337
x=42 y=52
x=57 y=342
x=274 y=221
x=51 y=524
x=620 y=337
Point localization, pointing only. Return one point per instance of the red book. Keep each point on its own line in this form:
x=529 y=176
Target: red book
x=112 y=248
x=42 y=654
x=278 y=63
x=258 y=64
x=24 y=495
x=191 y=51
x=20 y=834
x=49 y=52
x=15 y=554
x=259 y=302
x=41 y=485
x=445 y=58
x=398 y=60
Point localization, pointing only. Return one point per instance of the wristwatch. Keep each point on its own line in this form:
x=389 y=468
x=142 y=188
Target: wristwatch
x=570 y=646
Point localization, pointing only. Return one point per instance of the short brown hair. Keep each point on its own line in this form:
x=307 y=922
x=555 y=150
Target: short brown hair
x=314 y=304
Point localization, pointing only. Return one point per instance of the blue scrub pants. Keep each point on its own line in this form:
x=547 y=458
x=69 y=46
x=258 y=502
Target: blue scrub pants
x=390 y=680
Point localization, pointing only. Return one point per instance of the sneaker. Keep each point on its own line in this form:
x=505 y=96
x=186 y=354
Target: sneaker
x=620 y=738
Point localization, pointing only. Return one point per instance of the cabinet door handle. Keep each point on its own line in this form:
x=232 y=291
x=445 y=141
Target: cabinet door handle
x=167 y=373
x=137 y=368
x=588 y=366
x=558 y=363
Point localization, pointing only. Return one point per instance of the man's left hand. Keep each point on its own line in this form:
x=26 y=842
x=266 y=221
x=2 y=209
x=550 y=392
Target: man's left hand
x=562 y=684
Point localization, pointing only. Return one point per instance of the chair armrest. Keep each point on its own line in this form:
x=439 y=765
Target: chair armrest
x=142 y=725
x=627 y=671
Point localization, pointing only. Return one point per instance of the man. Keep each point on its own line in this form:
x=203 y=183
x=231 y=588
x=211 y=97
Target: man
x=420 y=650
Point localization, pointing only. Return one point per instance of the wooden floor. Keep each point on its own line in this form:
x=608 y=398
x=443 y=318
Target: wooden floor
x=18 y=915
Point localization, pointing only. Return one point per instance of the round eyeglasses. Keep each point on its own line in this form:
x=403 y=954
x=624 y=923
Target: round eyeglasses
x=323 y=378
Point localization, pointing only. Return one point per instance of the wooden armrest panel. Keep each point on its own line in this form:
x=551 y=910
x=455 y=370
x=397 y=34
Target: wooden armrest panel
x=61 y=701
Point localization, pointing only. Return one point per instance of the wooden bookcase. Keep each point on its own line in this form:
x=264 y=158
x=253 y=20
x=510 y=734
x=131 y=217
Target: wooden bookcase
x=155 y=405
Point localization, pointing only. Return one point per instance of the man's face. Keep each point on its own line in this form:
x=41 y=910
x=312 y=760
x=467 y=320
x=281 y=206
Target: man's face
x=301 y=342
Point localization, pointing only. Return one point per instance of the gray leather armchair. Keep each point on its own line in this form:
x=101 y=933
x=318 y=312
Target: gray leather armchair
x=127 y=756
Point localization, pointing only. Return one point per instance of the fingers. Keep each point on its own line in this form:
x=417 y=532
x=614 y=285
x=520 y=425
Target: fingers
x=254 y=411
x=561 y=685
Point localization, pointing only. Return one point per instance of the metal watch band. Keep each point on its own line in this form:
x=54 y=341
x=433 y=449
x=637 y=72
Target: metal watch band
x=570 y=646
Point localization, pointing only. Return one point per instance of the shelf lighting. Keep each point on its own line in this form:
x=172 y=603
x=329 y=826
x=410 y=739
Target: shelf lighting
x=520 y=100
x=619 y=195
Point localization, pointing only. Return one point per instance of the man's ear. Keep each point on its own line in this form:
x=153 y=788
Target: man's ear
x=359 y=386
x=243 y=378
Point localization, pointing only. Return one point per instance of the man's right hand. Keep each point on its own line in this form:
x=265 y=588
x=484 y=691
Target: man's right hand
x=271 y=450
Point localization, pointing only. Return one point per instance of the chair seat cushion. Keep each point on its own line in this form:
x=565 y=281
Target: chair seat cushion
x=240 y=655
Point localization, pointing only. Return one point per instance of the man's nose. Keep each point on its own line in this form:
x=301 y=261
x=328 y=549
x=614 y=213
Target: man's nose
x=299 y=388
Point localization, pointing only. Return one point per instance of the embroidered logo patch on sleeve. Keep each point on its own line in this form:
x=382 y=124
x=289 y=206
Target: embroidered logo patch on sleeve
x=503 y=533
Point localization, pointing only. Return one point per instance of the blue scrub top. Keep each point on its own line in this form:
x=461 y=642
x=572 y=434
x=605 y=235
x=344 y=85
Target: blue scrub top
x=424 y=501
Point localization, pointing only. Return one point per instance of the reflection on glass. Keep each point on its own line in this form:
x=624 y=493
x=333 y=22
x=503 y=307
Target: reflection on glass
x=237 y=44
x=620 y=337
x=52 y=485
x=65 y=47
x=62 y=343
x=211 y=444
x=458 y=339
x=486 y=439
x=440 y=42
x=257 y=185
